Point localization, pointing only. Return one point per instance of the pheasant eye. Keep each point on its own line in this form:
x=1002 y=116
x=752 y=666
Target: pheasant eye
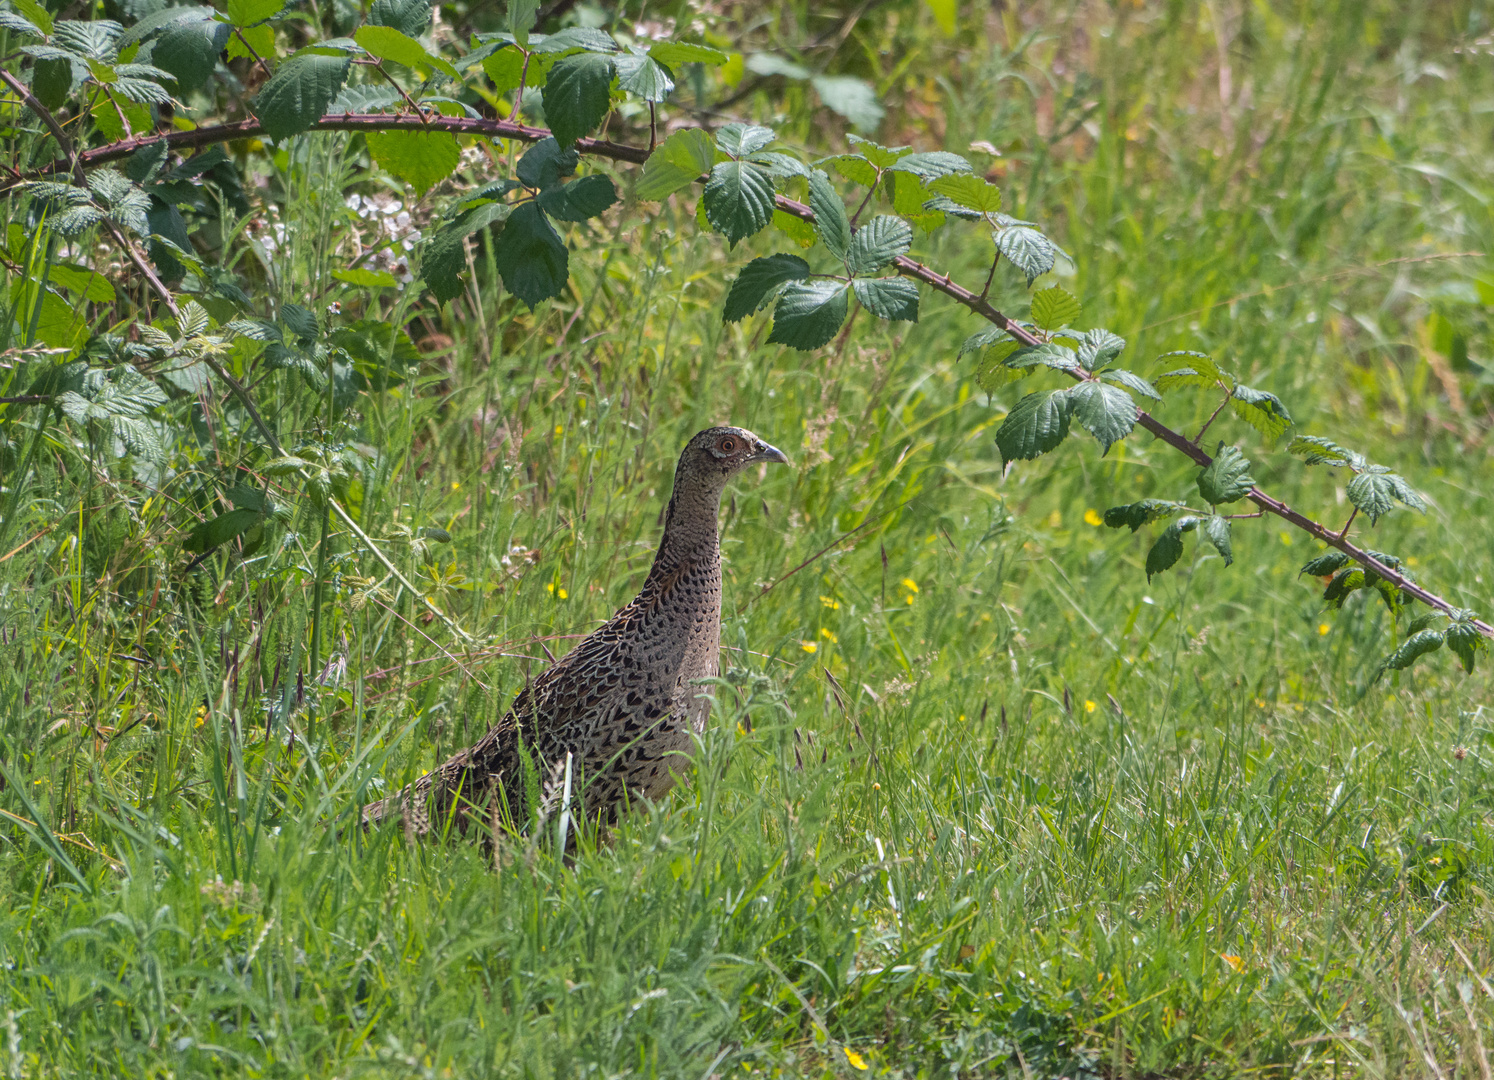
x=728 y=445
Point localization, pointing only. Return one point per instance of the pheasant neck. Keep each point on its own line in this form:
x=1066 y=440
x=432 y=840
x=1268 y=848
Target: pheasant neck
x=689 y=527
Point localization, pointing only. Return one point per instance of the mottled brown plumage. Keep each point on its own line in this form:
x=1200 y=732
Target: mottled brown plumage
x=623 y=703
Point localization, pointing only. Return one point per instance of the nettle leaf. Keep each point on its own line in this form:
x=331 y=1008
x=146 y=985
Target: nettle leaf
x=738 y=200
x=1129 y=379
x=1054 y=307
x=808 y=313
x=580 y=199
x=1104 y=411
x=421 y=159
x=1049 y=353
x=676 y=163
x=969 y=191
x=545 y=164
x=299 y=92
x=410 y=17
x=1262 y=411
x=891 y=298
x=644 y=77
x=1140 y=513
x=931 y=165
x=686 y=52
x=1036 y=425
x=1099 y=347
x=739 y=140
x=1464 y=639
x=1227 y=479
x=829 y=215
x=850 y=97
x=1412 y=649
x=578 y=94
x=1326 y=564
x=531 y=256
x=1216 y=531
x=1169 y=546
x=1027 y=249
x=1374 y=492
x=757 y=282
x=877 y=243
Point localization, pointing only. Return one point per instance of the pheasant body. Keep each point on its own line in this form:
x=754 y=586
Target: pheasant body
x=626 y=702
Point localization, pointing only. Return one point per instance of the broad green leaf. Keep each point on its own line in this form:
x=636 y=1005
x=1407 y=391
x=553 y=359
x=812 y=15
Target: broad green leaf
x=1129 y=379
x=808 y=313
x=255 y=41
x=577 y=95
x=545 y=164
x=850 y=97
x=387 y=43
x=1216 y=531
x=299 y=321
x=299 y=92
x=1202 y=371
x=1325 y=564
x=992 y=372
x=970 y=191
x=796 y=229
x=1106 y=412
x=910 y=197
x=52 y=81
x=1099 y=347
x=891 y=298
x=580 y=199
x=1343 y=583
x=507 y=69
x=221 y=529
x=87 y=283
x=757 y=282
x=366 y=279
x=878 y=155
x=443 y=256
x=522 y=15
x=1169 y=546
x=1411 y=650
x=738 y=200
x=1140 y=513
x=1374 y=492
x=676 y=163
x=188 y=47
x=1027 y=249
x=854 y=168
x=575 y=37
x=984 y=338
x=739 y=140
x=1054 y=307
x=1464 y=639
x=674 y=53
x=1319 y=451
x=1227 y=478
x=1262 y=411
x=246 y=13
x=421 y=159
x=35 y=14
x=830 y=216
x=878 y=243
x=531 y=256
x=1036 y=424
x=780 y=166
x=410 y=17
x=932 y=165
x=644 y=77
x=1048 y=354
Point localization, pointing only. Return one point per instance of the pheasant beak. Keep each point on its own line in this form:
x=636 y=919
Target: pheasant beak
x=769 y=453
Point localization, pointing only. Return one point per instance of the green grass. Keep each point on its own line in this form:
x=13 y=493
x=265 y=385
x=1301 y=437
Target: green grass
x=977 y=799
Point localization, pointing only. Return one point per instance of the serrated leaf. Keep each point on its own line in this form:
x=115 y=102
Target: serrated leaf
x=53 y=80
x=910 y=198
x=1326 y=564
x=1106 y=412
x=686 y=52
x=779 y=166
x=984 y=338
x=387 y=43
x=850 y=97
x=992 y=373
x=969 y=191
x=738 y=200
x=1168 y=549
x=579 y=200
x=246 y=13
x=1047 y=354
x=1344 y=582
x=1216 y=531
x=1262 y=411
x=676 y=163
x=1054 y=307
x=299 y=321
x=1411 y=650
x=878 y=243
x=1374 y=493
x=854 y=168
x=931 y=165
x=796 y=229
x=410 y=17
x=577 y=95
x=808 y=313
x=1036 y=424
x=1464 y=639
x=545 y=164
x=644 y=77
x=421 y=159
x=830 y=217
x=1319 y=451
x=1227 y=479
x=299 y=92
x=531 y=256
x=9 y=20
x=739 y=140
x=757 y=282
x=1027 y=249
x=891 y=298
x=1137 y=514
x=575 y=37
x=878 y=155
x=522 y=15
x=35 y=13
x=363 y=278
x=188 y=47
x=220 y=530
x=1099 y=347
x=1129 y=379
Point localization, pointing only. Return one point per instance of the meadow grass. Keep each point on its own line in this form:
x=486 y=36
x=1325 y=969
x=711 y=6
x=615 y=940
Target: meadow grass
x=977 y=798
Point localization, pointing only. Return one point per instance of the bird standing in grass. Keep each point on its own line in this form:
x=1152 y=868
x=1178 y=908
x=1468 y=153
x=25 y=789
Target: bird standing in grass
x=624 y=703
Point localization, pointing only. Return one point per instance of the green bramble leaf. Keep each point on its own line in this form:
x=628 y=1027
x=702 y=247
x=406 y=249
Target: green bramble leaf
x=1377 y=489
x=1411 y=650
x=1098 y=347
x=1049 y=354
x=246 y=13
x=1169 y=546
x=808 y=313
x=574 y=38
x=779 y=166
x=891 y=298
x=854 y=168
x=1137 y=514
x=1054 y=307
x=970 y=191
x=1201 y=372
x=189 y=45
x=545 y=164
x=299 y=92
x=1328 y=563
x=676 y=163
x=1227 y=478
x=578 y=94
x=363 y=278
x=829 y=214
x=1315 y=450
x=1130 y=380
x=931 y=165
x=877 y=243
x=643 y=76
x=738 y=200
x=1027 y=249
x=421 y=159
x=1036 y=425
x=757 y=283
x=992 y=372
x=796 y=229
x=220 y=530
x=531 y=256
x=739 y=140
x=387 y=43
x=1262 y=411
x=579 y=200
x=1344 y=582
x=1464 y=639
x=910 y=200
x=1216 y=531
x=675 y=53
x=410 y=17
x=984 y=338
x=878 y=155
x=1106 y=412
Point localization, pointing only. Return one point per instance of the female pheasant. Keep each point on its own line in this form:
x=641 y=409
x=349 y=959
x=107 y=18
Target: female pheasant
x=625 y=701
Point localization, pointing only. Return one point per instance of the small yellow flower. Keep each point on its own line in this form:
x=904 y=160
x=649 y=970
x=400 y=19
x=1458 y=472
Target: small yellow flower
x=560 y=429
x=456 y=485
x=1089 y=706
x=201 y=716
x=830 y=602
x=1236 y=962
x=856 y=1060
x=809 y=646
x=909 y=584
x=962 y=718
x=562 y=593
x=1092 y=517
x=1285 y=538
x=828 y=635
x=1323 y=629
x=550 y=587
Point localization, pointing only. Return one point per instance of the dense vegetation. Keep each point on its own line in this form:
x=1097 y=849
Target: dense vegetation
x=316 y=439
